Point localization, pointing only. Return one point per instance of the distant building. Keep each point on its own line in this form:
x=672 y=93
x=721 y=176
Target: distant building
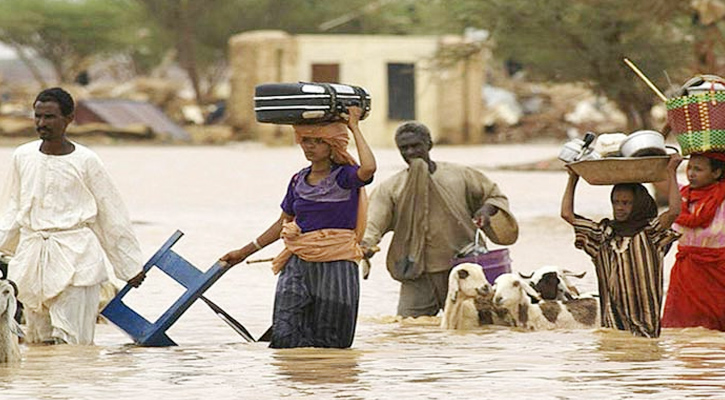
x=405 y=77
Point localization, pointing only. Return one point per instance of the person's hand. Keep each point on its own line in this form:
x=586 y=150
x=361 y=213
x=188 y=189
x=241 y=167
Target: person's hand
x=572 y=173
x=137 y=280
x=482 y=217
x=234 y=257
x=675 y=160
x=365 y=267
x=352 y=117
x=369 y=251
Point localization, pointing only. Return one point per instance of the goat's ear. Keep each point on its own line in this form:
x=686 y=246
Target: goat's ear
x=531 y=292
x=566 y=272
x=453 y=286
x=526 y=277
x=15 y=287
x=462 y=274
x=10 y=309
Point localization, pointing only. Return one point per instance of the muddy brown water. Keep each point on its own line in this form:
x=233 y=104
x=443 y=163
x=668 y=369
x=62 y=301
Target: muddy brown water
x=222 y=197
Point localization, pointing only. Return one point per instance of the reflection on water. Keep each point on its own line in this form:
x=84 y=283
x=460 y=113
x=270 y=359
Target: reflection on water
x=623 y=347
x=391 y=358
x=312 y=366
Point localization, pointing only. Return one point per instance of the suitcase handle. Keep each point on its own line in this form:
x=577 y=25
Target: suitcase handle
x=333 y=97
x=338 y=107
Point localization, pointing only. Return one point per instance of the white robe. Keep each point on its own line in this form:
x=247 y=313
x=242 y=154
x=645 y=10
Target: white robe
x=64 y=221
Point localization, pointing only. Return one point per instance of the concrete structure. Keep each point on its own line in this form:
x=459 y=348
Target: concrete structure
x=409 y=77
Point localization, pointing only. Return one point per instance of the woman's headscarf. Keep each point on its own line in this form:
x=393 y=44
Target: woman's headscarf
x=335 y=134
x=644 y=208
x=715 y=155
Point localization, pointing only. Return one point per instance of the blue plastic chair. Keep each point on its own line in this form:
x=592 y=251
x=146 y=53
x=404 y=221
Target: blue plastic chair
x=147 y=333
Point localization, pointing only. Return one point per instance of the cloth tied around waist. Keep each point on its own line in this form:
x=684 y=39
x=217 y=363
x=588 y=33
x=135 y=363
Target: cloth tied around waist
x=317 y=246
x=48 y=261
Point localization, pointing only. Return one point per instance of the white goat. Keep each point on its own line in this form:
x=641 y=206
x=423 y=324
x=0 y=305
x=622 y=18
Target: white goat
x=466 y=282
x=552 y=282
x=9 y=328
x=512 y=293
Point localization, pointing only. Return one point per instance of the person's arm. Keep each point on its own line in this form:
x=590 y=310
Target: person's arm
x=367 y=159
x=380 y=217
x=567 y=201
x=112 y=225
x=269 y=236
x=493 y=216
x=9 y=200
x=674 y=199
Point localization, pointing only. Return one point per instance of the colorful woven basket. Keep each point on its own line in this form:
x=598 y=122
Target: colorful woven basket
x=698 y=120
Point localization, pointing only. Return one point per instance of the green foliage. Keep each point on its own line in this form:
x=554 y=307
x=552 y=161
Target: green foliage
x=72 y=34
x=200 y=29
x=69 y=34
x=586 y=41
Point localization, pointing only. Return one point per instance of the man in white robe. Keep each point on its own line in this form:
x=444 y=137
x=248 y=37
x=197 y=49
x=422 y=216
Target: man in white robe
x=63 y=221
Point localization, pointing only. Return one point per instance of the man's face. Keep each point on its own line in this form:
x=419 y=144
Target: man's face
x=412 y=145
x=50 y=123
x=622 y=204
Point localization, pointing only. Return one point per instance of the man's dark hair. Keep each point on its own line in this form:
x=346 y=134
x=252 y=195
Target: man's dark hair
x=59 y=96
x=416 y=128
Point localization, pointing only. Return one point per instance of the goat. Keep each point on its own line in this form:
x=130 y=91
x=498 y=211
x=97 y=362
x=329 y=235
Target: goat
x=466 y=282
x=512 y=293
x=552 y=283
x=9 y=328
x=490 y=314
x=469 y=303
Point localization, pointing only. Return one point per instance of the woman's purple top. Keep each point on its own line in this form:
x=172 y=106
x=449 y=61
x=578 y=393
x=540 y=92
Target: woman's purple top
x=332 y=203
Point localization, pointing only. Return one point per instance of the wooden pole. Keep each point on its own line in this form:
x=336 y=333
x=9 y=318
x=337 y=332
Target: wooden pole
x=260 y=260
x=649 y=83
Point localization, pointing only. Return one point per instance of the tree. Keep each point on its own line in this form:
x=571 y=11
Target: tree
x=199 y=30
x=586 y=41
x=68 y=34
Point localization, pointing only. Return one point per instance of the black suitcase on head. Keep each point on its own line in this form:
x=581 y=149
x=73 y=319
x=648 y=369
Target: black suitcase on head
x=307 y=102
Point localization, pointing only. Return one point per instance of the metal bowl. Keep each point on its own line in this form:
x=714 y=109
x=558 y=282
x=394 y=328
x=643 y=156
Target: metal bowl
x=643 y=143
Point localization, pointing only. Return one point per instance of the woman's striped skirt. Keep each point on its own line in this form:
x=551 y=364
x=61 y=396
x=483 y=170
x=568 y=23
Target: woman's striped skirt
x=316 y=304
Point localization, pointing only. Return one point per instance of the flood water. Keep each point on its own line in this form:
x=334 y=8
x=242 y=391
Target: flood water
x=223 y=197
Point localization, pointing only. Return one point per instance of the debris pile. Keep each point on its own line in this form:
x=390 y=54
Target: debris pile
x=142 y=109
x=529 y=112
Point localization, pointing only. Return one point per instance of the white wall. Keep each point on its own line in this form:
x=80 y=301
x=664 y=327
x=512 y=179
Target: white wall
x=363 y=62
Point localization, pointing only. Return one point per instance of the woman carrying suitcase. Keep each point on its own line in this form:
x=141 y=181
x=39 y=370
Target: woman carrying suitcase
x=322 y=222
